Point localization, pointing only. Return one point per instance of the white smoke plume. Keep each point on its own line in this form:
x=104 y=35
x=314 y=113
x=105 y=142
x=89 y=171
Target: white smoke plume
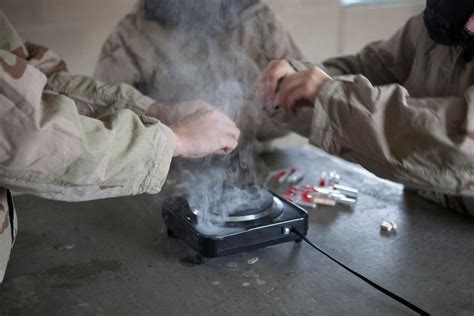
x=222 y=75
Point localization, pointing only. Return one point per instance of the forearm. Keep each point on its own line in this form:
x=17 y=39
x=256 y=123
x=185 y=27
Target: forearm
x=50 y=150
x=422 y=143
x=79 y=158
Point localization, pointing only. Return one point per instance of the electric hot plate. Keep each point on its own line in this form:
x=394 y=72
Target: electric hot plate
x=263 y=220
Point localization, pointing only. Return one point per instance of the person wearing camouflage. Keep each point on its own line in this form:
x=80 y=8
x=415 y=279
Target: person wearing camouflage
x=402 y=108
x=72 y=138
x=175 y=51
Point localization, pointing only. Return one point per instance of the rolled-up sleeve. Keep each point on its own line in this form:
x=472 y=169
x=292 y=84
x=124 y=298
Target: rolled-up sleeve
x=48 y=149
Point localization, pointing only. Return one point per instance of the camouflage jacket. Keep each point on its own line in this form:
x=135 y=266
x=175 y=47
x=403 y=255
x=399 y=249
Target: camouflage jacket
x=173 y=65
x=403 y=109
x=68 y=137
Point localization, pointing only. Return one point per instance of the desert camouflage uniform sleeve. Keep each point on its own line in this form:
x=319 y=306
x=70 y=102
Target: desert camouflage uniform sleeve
x=424 y=143
x=48 y=149
x=93 y=98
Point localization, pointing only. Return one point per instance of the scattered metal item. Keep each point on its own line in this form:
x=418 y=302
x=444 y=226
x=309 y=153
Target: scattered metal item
x=252 y=260
x=295 y=177
x=346 y=201
x=347 y=191
x=388 y=226
x=323 y=181
x=311 y=196
x=289 y=175
x=334 y=178
x=261 y=282
x=65 y=247
x=327 y=201
x=328 y=191
x=283 y=176
x=329 y=179
x=306 y=204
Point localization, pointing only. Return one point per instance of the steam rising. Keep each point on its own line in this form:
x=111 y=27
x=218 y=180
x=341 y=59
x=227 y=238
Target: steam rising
x=219 y=72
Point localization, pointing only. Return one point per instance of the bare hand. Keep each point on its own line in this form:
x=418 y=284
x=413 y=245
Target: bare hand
x=281 y=85
x=301 y=89
x=205 y=132
x=268 y=83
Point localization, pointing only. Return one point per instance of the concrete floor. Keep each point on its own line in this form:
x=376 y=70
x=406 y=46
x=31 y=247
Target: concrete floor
x=114 y=257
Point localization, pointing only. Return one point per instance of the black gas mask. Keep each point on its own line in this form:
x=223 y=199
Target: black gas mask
x=449 y=23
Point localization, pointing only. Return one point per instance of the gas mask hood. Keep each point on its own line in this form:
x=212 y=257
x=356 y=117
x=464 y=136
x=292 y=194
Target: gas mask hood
x=450 y=22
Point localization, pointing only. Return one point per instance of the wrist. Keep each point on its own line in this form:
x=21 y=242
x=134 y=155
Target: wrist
x=178 y=149
x=156 y=110
x=323 y=79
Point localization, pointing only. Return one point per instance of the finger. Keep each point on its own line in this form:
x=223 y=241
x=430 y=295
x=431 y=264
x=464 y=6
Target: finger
x=225 y=126
x=260 y=91
x=263 y=76
x=272 y=65
x=294 y=96
x=231 y=145
x=291 y=98
x=280 y=71
x=297 y=98
x=303 y=89
x=291 y=83
x=228 y=145
x=306 y=92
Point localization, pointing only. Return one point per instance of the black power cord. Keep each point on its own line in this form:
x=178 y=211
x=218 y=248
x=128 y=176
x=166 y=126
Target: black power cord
x=399 y=299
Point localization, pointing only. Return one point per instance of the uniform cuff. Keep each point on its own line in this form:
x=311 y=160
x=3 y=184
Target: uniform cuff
x=163 y=154
x=323 y=134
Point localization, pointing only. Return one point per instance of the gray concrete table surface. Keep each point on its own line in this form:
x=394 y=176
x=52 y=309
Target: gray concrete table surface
x=113 y=257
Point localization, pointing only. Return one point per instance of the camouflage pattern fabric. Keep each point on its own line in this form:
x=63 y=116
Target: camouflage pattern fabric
x=173 y=65
x=403 y=109
x=48 y=149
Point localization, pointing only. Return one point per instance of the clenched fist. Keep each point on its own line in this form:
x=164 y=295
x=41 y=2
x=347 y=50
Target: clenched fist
x=205 y=132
